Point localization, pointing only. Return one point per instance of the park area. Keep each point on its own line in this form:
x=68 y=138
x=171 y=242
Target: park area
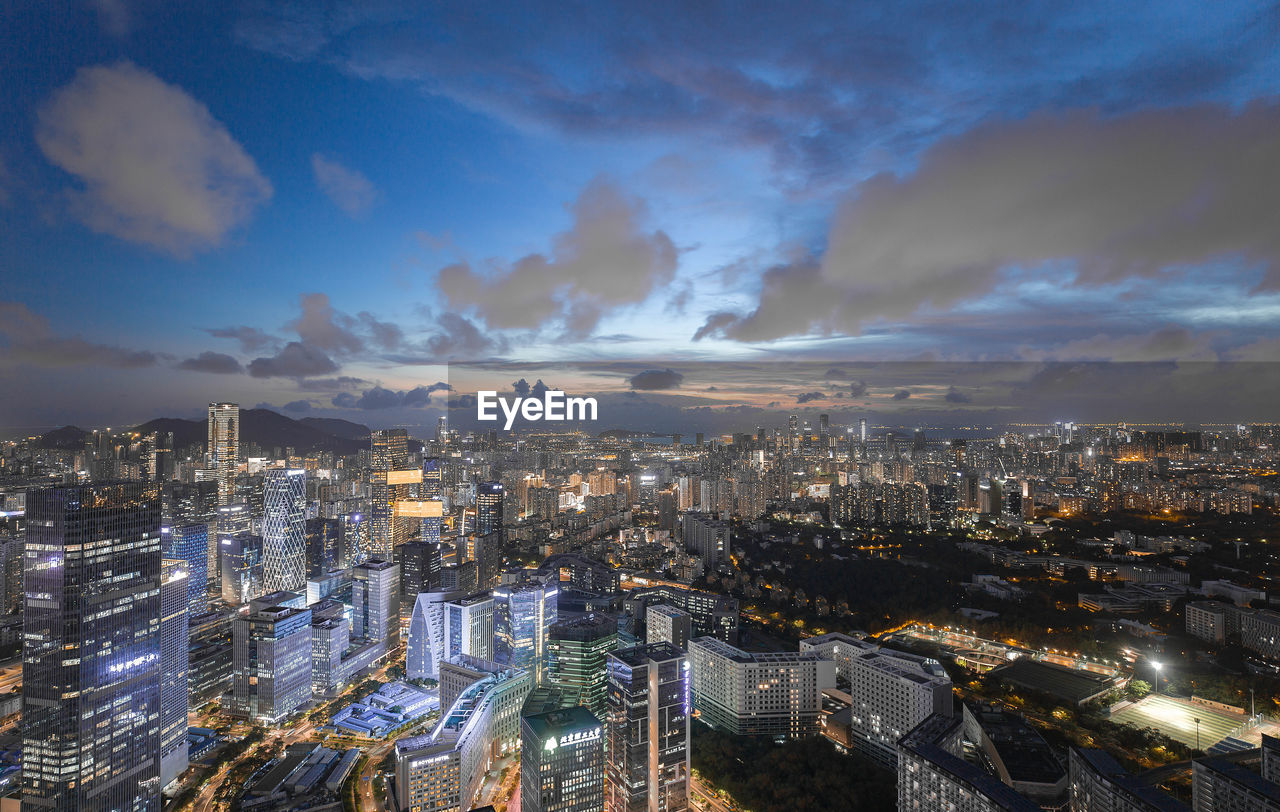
x=1176 y=718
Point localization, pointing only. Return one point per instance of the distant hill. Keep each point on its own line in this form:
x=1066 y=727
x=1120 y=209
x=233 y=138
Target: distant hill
x=261 y=426
x=68 y=438
x=338 y=428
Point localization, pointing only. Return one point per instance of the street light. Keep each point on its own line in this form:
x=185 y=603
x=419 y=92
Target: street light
x=1157 y=668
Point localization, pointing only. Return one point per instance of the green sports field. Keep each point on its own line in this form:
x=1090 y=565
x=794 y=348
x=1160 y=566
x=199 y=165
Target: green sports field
x=1175 y=718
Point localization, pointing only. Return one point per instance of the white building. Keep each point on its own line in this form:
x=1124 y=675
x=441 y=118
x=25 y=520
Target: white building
x=668 y=624
x=443 y=770
x=446 y=624
x=891 y=691
x=774 y=693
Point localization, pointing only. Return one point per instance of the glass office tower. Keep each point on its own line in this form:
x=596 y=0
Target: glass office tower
x=91 y=657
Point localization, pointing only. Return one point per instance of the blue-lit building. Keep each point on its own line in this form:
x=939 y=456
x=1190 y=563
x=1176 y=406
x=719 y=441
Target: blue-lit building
x=190 y=543
x=173 y=668
x=647 y=728
x=488 y=508
x=523 y=615
x=271 y=658
x=284 y=531
x=91 y=658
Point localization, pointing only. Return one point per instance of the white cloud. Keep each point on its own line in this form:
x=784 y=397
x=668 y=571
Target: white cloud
x=156 y=167
x=607 y=260
x=350 y=190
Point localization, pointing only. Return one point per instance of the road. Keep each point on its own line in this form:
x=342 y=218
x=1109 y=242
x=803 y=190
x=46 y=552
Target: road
x=279 y=738
x=706 y=798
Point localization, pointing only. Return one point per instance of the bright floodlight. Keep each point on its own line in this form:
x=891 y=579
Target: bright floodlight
x=1157 y=666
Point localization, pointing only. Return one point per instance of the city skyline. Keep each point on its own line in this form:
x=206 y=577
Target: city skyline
x=363 y=192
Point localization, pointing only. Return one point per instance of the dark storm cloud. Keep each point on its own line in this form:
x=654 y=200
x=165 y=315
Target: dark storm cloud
x=26 y=336
x=954 y=395
x=296 y=360
x=1082 y=199
x=214 y=362
x=297 y=406
x=808 y=397
x=857 y=389
x=902 y=394
x=656 y=379
x=331 y=384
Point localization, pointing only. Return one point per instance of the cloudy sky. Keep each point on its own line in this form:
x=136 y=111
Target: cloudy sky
x=318 y=206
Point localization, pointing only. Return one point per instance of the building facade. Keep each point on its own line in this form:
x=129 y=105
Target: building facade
x=647 y=730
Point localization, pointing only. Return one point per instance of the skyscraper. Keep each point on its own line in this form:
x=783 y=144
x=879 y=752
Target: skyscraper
x=577 y=651
x=562 y=762
x=240 y=560
x=446 y=624
x=419 y=568
x=390 y=452
x=271 y=658
x=174 y=604
x=647 y=748
x=375 y=602
x=224 y=447
x=91 y=649
x=190 y=543
x=488 y=508
x=284 y=531
x=523 y=614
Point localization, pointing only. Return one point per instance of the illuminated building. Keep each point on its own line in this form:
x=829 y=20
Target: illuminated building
x=488 y=508
x=647 y=729
x=284 y=531
x=577 y=651
x=375 y=602
x=523 y=614
x=190 y=543
x=241 y=565
x=224 y=447
x=91 y=731
x=174 y=576
x=663 y=623
x=708 y=538
x=775 y=693
x=562 y=762
x=442 y=771
x=390 y=453
x=444 y=625
x=271 y=658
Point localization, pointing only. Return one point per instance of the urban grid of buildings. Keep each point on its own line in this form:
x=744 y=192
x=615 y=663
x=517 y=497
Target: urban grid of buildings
x=558 y=615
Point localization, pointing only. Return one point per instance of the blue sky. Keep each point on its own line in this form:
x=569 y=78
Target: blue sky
x=365 y=192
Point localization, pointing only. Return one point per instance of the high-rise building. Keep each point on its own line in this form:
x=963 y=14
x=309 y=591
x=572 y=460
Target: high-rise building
x=233 y=520
x=224 y=447
x=713 y=614
x=562 y=762
x=577 y=657
x=708 y=538
x=174 y=603
x=488 y=508
x=390 y=454
x=190 y=543
x=324 y=545
x=778 y=693
x=668 y=624
x=419 y=568
x=271 y=658
x=284 y=531
x=241 y=566
x=375 y=602
x=444 y=625
x=523 y=614
x=647 y=729
x=432 y=479
x=442 y=771
x=91 y=657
